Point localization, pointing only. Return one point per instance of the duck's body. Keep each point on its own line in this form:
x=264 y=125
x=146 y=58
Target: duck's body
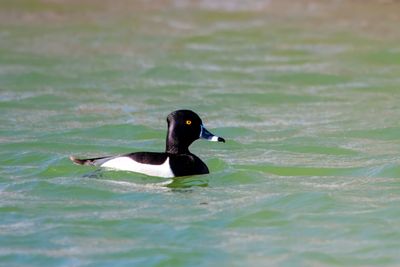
x=151 y=163
x=184 y=127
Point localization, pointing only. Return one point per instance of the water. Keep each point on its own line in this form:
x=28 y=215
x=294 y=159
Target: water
x=306 y=95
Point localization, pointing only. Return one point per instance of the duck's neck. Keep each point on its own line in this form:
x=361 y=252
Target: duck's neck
x=176 y=150
x=173 y=146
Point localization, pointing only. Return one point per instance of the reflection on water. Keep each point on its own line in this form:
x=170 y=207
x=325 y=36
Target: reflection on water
x=135 y=181
x=188 y=182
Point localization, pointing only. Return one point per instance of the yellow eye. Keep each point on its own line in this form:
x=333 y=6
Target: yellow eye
x=188 y=122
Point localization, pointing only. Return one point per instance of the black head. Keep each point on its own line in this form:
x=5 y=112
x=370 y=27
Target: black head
x=184 y=127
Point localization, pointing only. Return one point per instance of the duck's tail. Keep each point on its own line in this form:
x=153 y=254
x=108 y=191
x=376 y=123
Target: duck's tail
x=90 y=162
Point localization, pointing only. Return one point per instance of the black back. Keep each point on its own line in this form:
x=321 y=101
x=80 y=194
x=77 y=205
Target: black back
x=152 y=158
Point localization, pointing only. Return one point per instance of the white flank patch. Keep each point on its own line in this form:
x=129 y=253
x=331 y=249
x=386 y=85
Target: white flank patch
x=128 y=164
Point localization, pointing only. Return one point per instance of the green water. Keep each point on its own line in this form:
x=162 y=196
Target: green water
x=306 y=94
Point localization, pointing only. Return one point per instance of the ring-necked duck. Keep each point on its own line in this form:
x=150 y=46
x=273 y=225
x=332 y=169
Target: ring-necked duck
x=184 y=127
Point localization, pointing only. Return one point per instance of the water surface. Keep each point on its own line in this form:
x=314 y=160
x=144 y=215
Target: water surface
x=306 y=95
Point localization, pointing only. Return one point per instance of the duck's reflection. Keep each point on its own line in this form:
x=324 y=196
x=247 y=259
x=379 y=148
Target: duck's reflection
x=188 y=182
x=175 y=184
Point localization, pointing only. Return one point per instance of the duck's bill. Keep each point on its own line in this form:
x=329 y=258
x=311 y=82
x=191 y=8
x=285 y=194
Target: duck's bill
x=205 y=134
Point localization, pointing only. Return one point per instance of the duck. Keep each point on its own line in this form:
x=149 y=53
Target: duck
x=183 y=128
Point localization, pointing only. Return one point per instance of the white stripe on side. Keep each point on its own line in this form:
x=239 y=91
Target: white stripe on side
x=128 y=164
